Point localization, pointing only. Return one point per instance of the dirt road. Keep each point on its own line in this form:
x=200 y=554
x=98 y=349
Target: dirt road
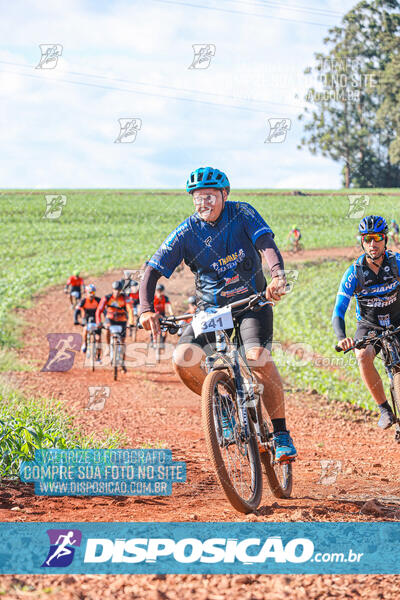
x=151 y=405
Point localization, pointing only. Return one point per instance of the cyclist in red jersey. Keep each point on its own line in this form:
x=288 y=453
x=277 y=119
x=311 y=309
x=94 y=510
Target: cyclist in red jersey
x=74 y=284
x=118 y=310
x=132 y=297
x=161 y=303
x=87 y=308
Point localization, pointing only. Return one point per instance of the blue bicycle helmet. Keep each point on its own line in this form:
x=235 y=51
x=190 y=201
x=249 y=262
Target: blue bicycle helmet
x=373 y=224
x=207 y=177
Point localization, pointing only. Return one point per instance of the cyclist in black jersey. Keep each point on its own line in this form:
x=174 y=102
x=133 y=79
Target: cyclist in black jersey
x=374 y=281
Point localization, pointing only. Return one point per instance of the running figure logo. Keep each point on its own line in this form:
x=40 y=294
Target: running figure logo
x=330 y=470
x=62 y=349
x=62 y=547
x=357 y=206
x=97 y=397
x=128 y=130
x=54 y=206
x=203 y=54
x=50 y=56
x=291 y=276
x=278 y=129
x=134 y=274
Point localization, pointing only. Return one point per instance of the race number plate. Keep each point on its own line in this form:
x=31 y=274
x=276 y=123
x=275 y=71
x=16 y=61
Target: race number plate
x=204 y=322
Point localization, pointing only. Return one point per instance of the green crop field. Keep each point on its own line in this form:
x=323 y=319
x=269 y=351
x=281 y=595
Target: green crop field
x=104 y=229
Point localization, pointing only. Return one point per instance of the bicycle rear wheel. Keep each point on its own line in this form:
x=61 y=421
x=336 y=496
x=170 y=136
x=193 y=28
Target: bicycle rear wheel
x=236 y=461
x=93 y=351
x=158 y=348
x=279 y=474
x=114 y=357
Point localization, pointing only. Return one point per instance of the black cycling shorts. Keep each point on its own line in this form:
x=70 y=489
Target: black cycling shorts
x=256 y=329
x=123 y=324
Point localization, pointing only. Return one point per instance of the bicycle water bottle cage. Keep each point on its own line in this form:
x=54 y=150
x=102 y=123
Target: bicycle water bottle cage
x=75 y=294
x=91 y=326
x=115 y=328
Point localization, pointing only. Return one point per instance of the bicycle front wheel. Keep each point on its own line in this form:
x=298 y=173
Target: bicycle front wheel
x=236 y=460
x=396 y=394
x=114 y=357
x=93 y=351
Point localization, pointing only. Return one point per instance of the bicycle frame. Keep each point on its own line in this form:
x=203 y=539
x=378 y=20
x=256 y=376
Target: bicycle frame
x=391 y=355
x=231 y=359
x=246 y=397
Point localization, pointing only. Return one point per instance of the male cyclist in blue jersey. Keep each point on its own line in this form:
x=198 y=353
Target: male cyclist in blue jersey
x=374 y=281
x=223 y=243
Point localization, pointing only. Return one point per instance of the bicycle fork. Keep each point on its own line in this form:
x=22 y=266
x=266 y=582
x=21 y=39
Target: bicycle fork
x=394 y=403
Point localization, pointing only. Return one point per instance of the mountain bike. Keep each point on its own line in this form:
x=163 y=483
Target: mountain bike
x=133 y=327
x=294 y=247
x=394 y=238
x=230 y=395
x=390 y=345
x=117 y=348
x=93 y=348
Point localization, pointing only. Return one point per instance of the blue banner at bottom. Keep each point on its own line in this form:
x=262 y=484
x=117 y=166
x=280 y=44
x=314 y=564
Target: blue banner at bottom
x=209 y=548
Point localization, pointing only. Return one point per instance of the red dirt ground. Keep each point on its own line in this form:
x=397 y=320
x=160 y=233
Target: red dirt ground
x=151 y=405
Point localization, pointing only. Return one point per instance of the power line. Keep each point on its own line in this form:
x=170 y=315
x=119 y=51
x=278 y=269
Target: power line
x=174 y=89
x=290 y=7
x=240 y=12
x=143 y=93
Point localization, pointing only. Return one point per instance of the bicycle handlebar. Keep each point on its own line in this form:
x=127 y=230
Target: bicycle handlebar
x=171 y=323
x=368 y=339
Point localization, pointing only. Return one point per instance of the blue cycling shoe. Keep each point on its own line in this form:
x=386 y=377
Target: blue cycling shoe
x=284 y=447
x=227 y=419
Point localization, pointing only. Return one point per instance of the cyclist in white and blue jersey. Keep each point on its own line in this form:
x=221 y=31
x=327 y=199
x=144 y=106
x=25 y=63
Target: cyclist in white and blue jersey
x=223 y=244
x=374 y=281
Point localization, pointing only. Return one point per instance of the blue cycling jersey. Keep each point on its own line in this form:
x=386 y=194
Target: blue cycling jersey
x=222 y=254
x=378 y=301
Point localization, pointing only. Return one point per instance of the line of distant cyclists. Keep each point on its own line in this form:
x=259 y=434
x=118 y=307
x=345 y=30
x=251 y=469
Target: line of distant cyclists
x=120 y=307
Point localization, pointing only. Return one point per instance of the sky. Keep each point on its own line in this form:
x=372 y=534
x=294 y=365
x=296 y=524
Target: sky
x=118 y=62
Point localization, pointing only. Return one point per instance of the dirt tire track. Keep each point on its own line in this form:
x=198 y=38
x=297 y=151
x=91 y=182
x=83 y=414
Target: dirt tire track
x=151 y=405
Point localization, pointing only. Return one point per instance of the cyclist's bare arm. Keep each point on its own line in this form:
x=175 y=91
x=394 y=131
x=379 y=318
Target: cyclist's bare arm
x=169 y=309
x=149 y=319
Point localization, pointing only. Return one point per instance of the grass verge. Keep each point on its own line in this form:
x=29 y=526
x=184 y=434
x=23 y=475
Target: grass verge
x=28 y=424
